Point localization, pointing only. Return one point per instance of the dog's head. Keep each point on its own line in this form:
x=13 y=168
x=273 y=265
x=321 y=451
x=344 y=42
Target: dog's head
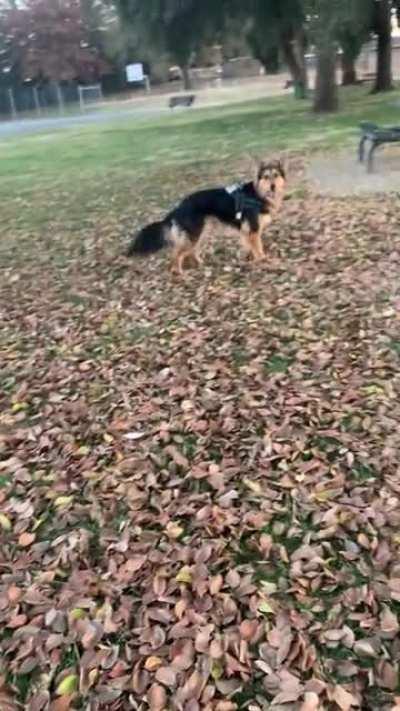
x=270 y=178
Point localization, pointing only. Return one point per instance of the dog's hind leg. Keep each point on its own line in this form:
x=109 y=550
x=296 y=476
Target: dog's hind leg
x=178 y=260
x=194 y=230
x=194 y=259
x=182 y=247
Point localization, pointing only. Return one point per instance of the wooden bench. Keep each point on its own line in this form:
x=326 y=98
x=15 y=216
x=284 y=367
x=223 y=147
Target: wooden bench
x=366 y=77
x=377 y=136
x=181 y=100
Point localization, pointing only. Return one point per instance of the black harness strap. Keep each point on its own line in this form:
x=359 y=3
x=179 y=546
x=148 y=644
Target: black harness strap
x=244 y=202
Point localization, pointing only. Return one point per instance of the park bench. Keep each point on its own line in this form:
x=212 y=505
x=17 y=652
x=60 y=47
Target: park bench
x=181 y=100
x=376 y=136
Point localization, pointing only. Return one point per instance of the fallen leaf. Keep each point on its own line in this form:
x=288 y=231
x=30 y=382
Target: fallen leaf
x=68 y=685
x=153 y=663
x=343 y=698
x=156 y=698
x=166 y=676
x=5 y=522
x=26 y=539
x=311 y=702
x=184 y=576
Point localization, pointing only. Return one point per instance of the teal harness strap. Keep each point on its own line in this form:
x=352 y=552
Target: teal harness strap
x=242 y=201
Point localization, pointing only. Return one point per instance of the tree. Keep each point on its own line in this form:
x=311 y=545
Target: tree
x=351 y=45
x=383 y=29
x=267 y=52
x=283 y=26
x=49 y=41
x=177 y=27
x=323 y=23
x=331 y=22
x=353 y=30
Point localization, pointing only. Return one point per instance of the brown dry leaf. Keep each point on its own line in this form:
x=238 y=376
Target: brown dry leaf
x=7 y=700
x=166 y=676
x=17 y=621
x=156 y=698
x=389 y=623
x=26 y=539
x=14 y=594
x=388 y=675
x=173 y=530
x=183 y=659
x=193 y=687
x=311 y=702
x=153 y=663
x=177 y=456
x=63 y=703
x=215 y=584
x=202 y=641
x=364 y=648
x=343 y=698
x=248 y=629
x=216 y=650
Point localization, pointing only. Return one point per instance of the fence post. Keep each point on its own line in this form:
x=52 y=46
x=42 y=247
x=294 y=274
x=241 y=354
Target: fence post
x=12 y=103
x=59 y=98
x=80 y=92
x=36 y=100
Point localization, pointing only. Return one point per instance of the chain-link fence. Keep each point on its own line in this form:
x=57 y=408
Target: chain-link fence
x=37 y=100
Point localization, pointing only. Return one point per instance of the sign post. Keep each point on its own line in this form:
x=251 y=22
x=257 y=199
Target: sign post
x=135 y=75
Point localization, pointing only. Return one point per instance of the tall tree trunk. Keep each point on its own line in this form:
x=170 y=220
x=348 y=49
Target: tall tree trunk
x=293 y=52
x=326 y=95
x=383 y=80
x=266 y=53
x=349 y=73
x=187 y=80
x=268 y=58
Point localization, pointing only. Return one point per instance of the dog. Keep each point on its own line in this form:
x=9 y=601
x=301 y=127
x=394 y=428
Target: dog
x=247 y=207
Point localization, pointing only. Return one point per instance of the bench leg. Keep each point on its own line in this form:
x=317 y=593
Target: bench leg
x=372 y=150
x=361 y=149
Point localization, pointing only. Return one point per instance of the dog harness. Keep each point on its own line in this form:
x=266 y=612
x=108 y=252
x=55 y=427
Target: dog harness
x=243 y=201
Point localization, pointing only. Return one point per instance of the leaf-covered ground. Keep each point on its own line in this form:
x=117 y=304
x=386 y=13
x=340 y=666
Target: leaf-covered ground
x=199 y=481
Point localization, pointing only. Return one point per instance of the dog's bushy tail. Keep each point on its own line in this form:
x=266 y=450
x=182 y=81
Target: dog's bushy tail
x=150 y=239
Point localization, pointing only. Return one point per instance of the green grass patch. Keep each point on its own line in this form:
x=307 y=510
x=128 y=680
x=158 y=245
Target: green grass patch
x=72 y=176
x=278 y=364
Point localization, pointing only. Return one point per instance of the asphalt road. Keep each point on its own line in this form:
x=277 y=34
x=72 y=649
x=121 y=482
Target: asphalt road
x=40 y=125
x=150 y=106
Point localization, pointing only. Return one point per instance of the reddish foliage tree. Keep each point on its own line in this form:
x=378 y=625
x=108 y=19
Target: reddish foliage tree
x=48 y=39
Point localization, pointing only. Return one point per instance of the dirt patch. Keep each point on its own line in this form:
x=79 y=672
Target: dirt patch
x=343 y=175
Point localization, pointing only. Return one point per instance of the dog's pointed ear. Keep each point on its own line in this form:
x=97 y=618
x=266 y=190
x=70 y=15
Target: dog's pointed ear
x=282 y=167
x=260 y=167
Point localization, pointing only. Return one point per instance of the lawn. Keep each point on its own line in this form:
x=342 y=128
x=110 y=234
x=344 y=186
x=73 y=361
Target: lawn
x=63 y=177
x=199 y=482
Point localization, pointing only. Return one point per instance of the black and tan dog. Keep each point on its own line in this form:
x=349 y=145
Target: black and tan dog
x=248 y=207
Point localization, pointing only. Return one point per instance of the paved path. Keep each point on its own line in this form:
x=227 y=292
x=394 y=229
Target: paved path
x=150 y=106
x=39 y=125
x=344 y=175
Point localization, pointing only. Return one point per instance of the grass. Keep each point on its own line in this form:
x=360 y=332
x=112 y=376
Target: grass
x=84 y=171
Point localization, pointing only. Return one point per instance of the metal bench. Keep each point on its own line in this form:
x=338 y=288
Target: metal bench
x=377 y=136
x=181 y=100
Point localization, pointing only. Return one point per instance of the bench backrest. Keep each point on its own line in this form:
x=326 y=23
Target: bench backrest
x=186 y=100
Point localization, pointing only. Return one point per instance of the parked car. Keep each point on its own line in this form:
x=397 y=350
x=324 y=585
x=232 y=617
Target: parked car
x=174 y=73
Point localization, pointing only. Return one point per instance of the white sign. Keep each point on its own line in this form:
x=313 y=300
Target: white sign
x=134 y=72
